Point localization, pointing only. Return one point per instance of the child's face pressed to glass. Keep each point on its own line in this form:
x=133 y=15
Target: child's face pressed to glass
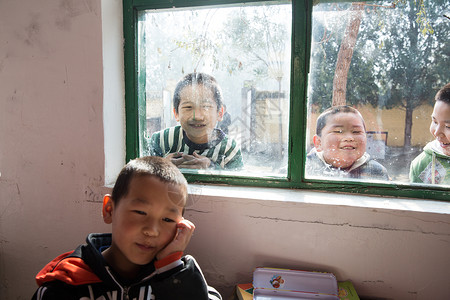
x=144 y=221
x=197 y=113
x=440 y=125
x=343 y=140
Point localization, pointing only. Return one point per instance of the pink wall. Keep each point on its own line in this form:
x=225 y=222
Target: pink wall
x=51 y=134
x=386 y=248
x=52 y=165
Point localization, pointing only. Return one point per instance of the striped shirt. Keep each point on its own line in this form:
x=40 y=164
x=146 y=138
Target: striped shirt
x=224 y=152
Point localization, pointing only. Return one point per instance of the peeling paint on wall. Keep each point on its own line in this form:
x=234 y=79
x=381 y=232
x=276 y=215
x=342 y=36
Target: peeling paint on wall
x=11 y=199
x=385 y=227
x=32 y=31
x=95 y=190
x=69 y=9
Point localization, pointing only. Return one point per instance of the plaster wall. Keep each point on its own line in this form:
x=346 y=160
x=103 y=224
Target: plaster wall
x=56 y=118
x=389 y=249
x=51 y=134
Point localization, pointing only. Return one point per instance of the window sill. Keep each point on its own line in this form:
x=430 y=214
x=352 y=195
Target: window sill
x=319 y=197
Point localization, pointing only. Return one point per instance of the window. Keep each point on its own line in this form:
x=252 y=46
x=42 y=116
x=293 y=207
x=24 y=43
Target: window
x=247 y=49
x=279 y=65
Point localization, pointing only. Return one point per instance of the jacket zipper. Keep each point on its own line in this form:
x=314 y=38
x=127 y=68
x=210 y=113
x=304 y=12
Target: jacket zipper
x=125 y=293
x=433 y=168
x=126 y=289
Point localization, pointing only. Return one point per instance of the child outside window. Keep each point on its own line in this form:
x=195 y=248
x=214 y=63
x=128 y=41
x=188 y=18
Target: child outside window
x=142 y=257
x=340 y=147
x=432 y=166
x=196 y=143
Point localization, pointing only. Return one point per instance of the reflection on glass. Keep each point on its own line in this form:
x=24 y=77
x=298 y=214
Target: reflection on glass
x=386 y=61
x=247 y=50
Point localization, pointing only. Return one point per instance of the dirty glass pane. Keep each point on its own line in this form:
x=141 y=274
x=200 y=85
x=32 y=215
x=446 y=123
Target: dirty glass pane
x=246 y=48
x=388 y=62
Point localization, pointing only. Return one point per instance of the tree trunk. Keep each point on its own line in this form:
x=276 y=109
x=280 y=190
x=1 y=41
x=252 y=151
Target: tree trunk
x=345 y=54
x=408 y=126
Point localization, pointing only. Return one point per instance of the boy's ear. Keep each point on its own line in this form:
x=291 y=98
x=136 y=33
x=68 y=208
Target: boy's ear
x=220 y=114
x=317 y=142
x=107 y=209
x=176 y=114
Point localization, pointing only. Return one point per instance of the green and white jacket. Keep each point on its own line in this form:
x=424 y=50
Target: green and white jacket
x=431 y=166
x=224 y=152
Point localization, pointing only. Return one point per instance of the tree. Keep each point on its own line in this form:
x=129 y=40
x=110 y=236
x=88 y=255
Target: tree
x=413 y=60
x=345 y=54
x=262 y=39
x=259 y=38
x=334 y=54
x=398 y=59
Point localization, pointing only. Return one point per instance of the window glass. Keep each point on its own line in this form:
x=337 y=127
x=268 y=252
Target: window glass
x=386 y=59
x=388 y=62
x=246 y=48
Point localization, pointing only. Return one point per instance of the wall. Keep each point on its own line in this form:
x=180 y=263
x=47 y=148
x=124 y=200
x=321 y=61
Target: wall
x=388 y=248
x=393 y=121
x=52 y=164
x=51 y=134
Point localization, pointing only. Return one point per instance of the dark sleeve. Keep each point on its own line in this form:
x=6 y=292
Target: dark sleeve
x=154 y=146
x=184 y=282
x=236 y=163
x=55 y=291
x=371 y=170
x=381 y=172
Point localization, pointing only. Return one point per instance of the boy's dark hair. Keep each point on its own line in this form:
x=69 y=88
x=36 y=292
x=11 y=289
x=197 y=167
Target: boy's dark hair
x=206 y=80
x=322 y=119
x=443 y=94
x=160 y=167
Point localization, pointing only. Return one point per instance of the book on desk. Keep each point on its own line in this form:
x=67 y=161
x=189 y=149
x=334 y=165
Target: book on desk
x=270 y=283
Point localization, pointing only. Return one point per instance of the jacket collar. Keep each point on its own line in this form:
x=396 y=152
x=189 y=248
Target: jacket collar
x=359 y=162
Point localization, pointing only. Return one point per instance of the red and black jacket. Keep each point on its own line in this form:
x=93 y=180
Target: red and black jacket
x=84 y=274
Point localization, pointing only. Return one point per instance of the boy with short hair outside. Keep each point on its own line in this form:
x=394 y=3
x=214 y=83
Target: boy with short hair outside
x=196 y=143
x=340 y=147
x=432 y=166
x=142 y=258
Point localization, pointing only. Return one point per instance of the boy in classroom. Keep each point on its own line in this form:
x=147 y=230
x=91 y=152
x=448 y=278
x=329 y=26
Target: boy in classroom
x=432 y=166
x=197 y=143
x=340 y=147
x=143 y=256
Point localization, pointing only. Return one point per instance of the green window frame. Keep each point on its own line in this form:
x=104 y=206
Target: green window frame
x=300 y=56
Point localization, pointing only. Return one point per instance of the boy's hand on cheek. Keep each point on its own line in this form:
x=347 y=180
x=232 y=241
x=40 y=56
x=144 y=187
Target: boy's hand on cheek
x=185 y=229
